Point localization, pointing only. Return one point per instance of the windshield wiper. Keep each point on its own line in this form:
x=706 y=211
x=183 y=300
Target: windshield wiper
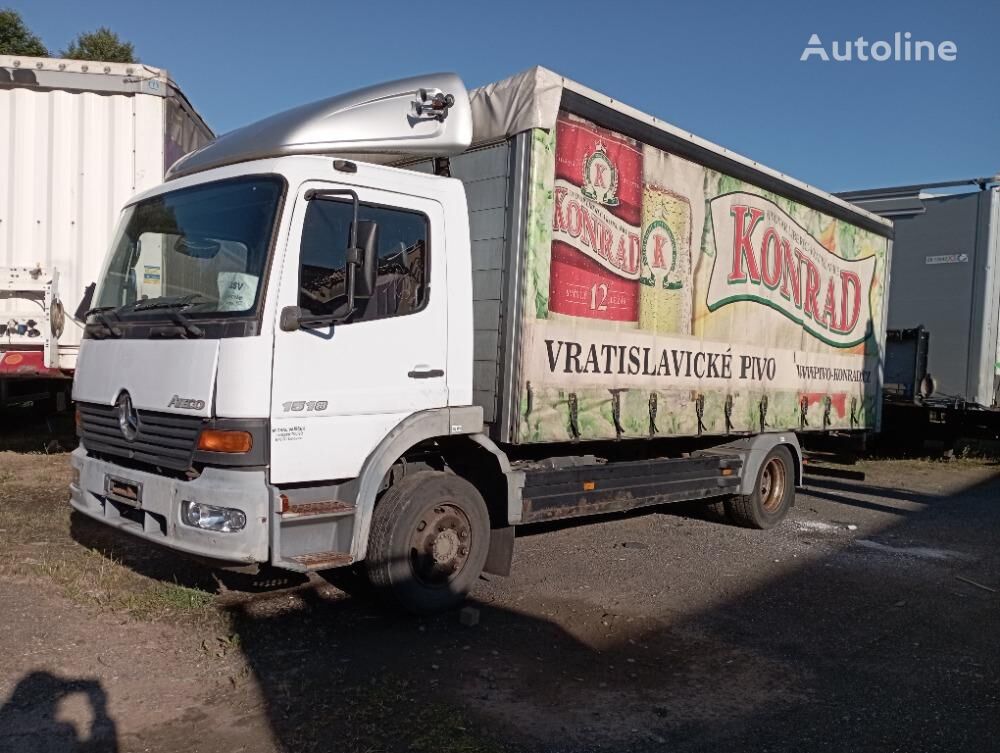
x=169 y=302
x=100 y=314
x=173 y=308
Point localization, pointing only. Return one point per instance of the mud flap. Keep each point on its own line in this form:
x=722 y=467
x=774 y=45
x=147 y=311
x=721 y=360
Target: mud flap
x=501 y=554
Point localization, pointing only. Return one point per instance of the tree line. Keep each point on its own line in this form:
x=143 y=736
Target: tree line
x=102 y=44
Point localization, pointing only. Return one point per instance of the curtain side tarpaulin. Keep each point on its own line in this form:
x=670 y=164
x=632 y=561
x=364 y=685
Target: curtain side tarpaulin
x=520 y=103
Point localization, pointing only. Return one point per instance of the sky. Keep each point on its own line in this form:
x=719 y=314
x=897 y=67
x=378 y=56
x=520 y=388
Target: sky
x=726 y=71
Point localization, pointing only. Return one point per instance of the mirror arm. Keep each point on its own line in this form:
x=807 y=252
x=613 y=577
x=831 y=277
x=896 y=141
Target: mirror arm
x=352 y=270
x=328 y=320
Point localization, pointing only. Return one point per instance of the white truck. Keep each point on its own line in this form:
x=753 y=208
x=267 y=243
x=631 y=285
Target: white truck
x=82 y=138
x=391 y=326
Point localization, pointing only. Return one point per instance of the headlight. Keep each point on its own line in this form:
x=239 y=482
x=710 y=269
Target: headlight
x=212 y=518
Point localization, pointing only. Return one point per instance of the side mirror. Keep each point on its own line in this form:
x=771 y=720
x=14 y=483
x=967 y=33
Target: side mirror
x=367 y=266
x=291 y=319
x=86 y=303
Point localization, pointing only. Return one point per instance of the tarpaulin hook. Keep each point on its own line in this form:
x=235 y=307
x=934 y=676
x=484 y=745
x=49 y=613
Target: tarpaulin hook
x=652 y=414
x=616 y=409
x=574 y=423
x=699 y=411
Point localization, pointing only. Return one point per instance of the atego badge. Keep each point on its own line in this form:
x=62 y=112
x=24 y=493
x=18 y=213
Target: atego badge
x=185 y=403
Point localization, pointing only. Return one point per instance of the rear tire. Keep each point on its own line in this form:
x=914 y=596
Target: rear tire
x=430 y=535
x=773 y=494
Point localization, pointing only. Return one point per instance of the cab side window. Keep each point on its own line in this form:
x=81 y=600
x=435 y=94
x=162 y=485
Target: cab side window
x=401 y=285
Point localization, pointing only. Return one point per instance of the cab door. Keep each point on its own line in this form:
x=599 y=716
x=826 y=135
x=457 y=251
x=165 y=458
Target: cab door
x=338 y=390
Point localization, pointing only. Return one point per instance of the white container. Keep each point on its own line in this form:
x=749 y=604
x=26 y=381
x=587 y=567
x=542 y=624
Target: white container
x=81 y=138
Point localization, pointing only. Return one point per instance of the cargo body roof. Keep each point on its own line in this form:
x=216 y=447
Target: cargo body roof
x=532 y=99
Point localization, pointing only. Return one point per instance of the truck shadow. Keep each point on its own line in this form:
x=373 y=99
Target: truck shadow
x=161 y=563
x=860 y=648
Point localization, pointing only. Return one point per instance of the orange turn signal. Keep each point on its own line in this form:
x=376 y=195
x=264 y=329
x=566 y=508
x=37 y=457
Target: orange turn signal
x=218 y=440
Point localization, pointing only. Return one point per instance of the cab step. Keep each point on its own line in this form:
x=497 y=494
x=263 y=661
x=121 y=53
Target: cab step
x=312 y=531
x=317 y=561
x=314 y=509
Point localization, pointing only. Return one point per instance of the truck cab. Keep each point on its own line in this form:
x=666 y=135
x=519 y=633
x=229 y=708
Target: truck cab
x=235 y=346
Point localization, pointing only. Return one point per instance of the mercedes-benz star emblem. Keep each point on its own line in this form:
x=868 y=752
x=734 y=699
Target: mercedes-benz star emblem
x=128 y=417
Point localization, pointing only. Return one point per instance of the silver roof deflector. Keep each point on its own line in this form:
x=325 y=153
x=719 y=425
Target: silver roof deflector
x=418 y=116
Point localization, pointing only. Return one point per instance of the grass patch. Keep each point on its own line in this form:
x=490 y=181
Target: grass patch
x=390 y=714
x=963 y=460
x=427 y=726
x=445 y=732
x=92 y=578
x=40 y=539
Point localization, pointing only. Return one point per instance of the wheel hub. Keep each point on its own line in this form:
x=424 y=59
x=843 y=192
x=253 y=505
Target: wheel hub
x=772 y=485
x=445 y=546
x=439 y=545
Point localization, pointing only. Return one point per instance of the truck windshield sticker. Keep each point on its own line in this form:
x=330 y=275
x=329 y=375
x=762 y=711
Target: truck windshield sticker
x=653 y=280
x=237 y=291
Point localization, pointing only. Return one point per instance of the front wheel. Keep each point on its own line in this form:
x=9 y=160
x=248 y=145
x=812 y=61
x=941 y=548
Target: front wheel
x=773 y=493
x=429 y=539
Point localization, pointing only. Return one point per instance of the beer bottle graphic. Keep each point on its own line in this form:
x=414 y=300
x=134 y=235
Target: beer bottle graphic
x=665 y=272
x=594 y=265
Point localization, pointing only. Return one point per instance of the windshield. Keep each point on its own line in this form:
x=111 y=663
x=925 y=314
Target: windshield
x=203 y=249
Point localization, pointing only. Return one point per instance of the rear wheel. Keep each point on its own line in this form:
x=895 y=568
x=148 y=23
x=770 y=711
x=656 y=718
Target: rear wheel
x=773 y=494
x=429 y=540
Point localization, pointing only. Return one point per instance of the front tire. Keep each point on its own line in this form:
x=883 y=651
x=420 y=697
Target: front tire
x=430 y=535
x=773 y=494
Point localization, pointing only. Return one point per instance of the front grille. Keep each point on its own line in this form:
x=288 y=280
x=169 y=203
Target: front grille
x=165 y=440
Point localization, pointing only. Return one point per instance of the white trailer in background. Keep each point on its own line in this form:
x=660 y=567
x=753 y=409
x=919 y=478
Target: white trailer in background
x=81 y=138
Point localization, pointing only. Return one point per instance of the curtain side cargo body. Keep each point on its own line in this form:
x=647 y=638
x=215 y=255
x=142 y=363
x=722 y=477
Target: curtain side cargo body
x=631 y=280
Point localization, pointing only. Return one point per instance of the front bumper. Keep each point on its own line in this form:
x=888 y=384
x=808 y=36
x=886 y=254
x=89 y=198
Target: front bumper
x=158 y=518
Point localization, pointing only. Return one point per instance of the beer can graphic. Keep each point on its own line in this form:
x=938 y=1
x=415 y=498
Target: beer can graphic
x=665 y=269
x=596 y=243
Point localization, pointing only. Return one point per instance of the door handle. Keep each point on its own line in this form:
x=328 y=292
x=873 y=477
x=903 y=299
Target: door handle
x=424 y=372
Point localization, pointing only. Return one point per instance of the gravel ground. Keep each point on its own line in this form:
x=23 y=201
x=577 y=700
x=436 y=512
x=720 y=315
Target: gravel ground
x=868 y=620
